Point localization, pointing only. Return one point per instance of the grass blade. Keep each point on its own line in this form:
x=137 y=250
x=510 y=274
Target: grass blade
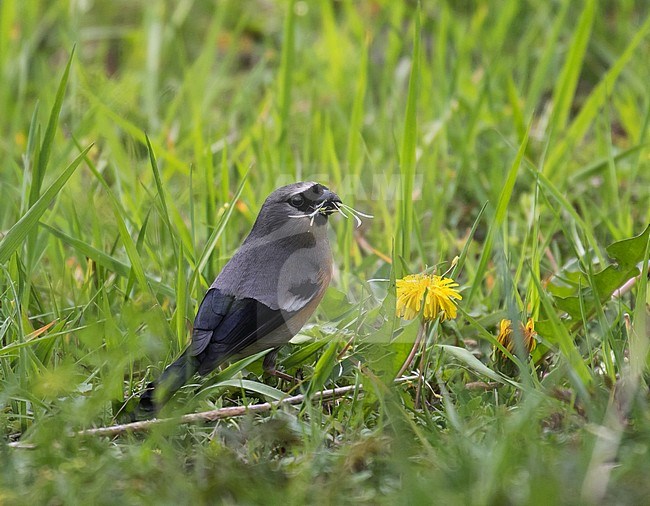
x=466 y=357
x=581 y=376
x=286 y=76
x=591 y=108
x=216 y=234
x=568 y=80
x=105 y=260
x=499 y=217
x=48 y=138
x=408 y=154
x=161 y=191
x=16 y=234
x=253 y=386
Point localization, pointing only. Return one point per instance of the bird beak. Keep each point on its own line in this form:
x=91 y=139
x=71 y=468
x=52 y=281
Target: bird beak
x=329 y=200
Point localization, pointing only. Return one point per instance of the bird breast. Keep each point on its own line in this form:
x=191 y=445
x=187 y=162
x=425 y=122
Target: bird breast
x=283 y=274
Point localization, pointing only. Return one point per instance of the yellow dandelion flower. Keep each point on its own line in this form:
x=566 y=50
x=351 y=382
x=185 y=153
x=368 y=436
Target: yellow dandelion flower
x=437 y=294
x=527 y=331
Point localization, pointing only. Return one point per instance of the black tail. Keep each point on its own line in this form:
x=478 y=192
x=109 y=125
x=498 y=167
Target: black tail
x=160 y=391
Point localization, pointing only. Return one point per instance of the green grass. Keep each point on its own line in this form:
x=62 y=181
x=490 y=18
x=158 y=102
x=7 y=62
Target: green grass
x=139 y=140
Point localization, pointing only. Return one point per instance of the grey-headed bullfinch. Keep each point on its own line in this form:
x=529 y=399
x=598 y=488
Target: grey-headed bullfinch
x=265 y=293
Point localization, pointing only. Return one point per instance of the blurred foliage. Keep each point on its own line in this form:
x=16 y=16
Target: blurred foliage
x=513 y=135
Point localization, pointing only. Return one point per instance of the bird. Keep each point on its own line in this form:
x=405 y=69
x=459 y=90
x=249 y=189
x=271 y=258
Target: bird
x=264 y=294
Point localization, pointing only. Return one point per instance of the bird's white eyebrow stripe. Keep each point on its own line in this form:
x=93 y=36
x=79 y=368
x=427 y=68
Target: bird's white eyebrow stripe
x=306 y=186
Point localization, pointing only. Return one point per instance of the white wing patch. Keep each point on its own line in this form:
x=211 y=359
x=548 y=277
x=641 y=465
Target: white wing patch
x=301 y=280
x=298 y=296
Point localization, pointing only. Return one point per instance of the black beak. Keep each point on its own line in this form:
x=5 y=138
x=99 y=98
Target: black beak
x=329 y=199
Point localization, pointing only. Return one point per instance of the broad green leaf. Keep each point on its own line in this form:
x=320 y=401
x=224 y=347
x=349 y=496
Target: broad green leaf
x=323 y=368
x=605 y=282
x=253 y=386
x=303 y=353
x=236 y=367
x=629 y=252
x=334 y=304
x=389 y=350
x=466 y=357
x=576 y=295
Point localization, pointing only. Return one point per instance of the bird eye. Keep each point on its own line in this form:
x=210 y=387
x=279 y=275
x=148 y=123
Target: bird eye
x=297 y=200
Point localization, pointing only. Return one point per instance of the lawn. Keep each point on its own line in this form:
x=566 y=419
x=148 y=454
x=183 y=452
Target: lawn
x=502 y=144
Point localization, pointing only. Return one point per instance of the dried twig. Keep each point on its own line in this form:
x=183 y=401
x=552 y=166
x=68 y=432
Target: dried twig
x=213 y=415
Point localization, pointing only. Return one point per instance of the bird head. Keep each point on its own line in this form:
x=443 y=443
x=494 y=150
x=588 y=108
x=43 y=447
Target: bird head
x=297 y=208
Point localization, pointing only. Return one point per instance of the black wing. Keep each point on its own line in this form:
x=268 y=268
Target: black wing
x=225 y=325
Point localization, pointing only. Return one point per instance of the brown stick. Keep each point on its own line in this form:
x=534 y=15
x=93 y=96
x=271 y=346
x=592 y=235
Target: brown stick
x=211 y=416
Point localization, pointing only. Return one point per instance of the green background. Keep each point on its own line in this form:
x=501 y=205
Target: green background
x=512 y=134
